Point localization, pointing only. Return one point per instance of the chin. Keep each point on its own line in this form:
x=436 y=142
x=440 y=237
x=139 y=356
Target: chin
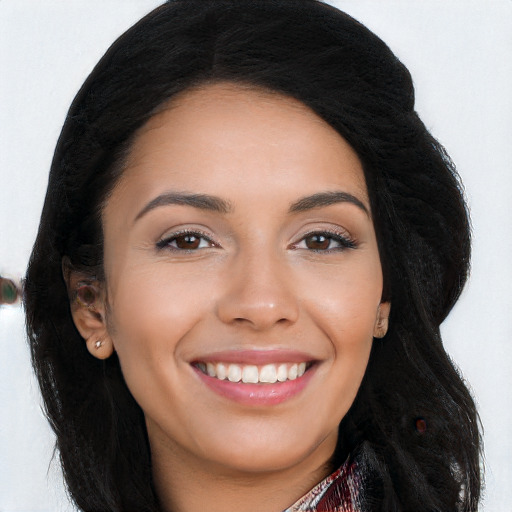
x=266 y=452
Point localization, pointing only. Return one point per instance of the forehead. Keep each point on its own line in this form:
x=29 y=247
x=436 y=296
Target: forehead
x=216 y=137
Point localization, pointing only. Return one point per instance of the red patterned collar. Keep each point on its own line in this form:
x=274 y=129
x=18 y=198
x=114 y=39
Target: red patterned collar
x=339 y=492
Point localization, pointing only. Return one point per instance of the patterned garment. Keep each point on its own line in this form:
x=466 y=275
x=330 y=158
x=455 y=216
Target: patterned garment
x=339 y=492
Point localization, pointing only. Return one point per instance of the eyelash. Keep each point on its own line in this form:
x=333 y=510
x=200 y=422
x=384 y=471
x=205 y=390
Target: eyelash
x=345 y=241
x=165 y=242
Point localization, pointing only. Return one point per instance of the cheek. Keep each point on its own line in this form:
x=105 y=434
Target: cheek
x=345 y=308
x=347 y=318
x=151 y=311
x=343 y=302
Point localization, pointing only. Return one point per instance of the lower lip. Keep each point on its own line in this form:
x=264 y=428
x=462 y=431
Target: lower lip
x=257 y=394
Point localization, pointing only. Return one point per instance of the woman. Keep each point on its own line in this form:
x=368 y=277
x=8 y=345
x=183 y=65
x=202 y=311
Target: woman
x=242 y=199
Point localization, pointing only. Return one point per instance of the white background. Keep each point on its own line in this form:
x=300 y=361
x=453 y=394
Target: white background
x=460 y=56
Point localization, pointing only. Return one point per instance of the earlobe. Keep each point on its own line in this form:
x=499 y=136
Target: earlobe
x=88 y=311
x=102 y=349
x=382 y=320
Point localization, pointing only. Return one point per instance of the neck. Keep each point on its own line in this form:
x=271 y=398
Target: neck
x=186 y=484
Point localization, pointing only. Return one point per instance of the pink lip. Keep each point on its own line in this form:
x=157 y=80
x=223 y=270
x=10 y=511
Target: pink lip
x=256 y=395
x=256 y=357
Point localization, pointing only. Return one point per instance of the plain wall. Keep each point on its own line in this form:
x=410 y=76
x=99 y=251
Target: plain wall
x=460 y=56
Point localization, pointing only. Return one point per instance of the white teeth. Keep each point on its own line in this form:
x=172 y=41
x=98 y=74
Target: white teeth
x=234 y=373
x=282 y=373
x=210 y=369
x=220 y=370
x=268 y=374
x=251 y=374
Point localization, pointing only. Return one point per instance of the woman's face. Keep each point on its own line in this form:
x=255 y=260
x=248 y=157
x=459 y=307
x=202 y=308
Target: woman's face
x=239 y=246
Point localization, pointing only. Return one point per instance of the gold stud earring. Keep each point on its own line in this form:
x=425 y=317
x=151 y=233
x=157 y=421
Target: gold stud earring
x=100 y=348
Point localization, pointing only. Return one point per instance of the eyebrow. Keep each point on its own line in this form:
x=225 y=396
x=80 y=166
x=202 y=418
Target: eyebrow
x=216 y=204
x=200 y=201
x=326 y=199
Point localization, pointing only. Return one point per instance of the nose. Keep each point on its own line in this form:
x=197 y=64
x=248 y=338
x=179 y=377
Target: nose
x=258 y=294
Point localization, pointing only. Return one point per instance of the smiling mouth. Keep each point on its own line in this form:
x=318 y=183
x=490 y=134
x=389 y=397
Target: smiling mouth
x=252 y=374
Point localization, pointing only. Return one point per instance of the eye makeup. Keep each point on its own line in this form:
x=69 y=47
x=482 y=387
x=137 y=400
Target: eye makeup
x=188 y=240
x=323 y=240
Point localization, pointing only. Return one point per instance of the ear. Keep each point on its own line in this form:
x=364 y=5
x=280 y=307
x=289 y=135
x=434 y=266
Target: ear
x=87 y=301
x=381 y=323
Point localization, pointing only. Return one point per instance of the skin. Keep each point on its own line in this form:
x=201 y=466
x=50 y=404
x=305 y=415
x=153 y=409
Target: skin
x=259 y=281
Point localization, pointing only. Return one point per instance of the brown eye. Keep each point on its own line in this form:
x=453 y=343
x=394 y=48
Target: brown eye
x=185 y=242
x=318 y=242
x=326 y=242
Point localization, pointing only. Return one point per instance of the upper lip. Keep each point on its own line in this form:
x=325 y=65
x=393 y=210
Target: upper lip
x=255 y=357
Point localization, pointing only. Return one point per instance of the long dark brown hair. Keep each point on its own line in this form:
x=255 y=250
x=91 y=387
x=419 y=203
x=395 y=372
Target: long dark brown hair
x=314 y=53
